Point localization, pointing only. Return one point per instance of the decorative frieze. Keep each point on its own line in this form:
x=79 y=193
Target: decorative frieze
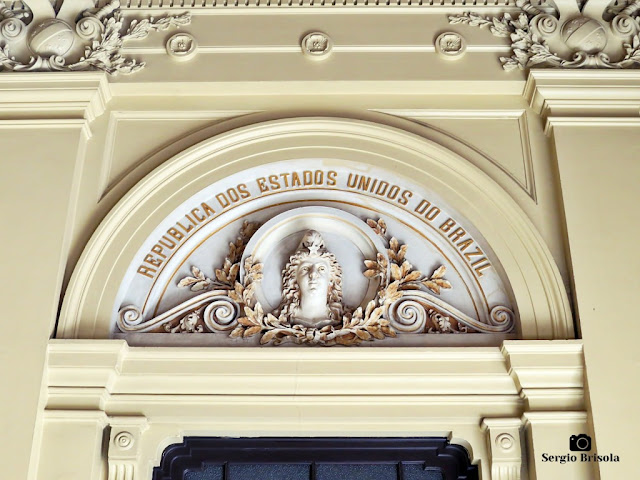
x=588 y=34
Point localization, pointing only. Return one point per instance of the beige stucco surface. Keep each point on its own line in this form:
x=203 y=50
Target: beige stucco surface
x=75 y=144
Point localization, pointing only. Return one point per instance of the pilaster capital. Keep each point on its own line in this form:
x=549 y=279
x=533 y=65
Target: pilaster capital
x=54 y=95
x=124 y=445
x=585 y=97
x=503 y=438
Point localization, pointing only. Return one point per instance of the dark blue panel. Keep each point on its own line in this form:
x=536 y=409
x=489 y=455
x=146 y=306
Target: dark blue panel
x=274 y=458
x=419 y=472
x=269 y=472
x=356 y=472
x=209 y=472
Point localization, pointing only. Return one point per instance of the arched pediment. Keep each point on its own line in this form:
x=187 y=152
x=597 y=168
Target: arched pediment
x=414 y=240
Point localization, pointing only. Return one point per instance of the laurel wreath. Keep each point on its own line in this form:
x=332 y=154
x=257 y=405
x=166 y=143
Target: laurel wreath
x=396 y=276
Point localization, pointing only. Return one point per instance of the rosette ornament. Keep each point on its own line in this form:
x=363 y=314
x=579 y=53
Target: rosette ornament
x=591 y=34
x=75 y=37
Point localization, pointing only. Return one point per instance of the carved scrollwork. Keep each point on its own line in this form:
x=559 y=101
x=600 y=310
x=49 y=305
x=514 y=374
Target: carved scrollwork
x=12 y=28
x=89 y=28
x=51 y=39
x=544 y=24
x=408 y=315
x=625 y=26
x=312 y=309
x=221 y=315
x=502 y=317
x=129 y=318
x=582 y=35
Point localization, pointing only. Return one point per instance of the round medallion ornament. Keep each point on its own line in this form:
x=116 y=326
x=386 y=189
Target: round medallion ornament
x=51 y=37
x=584 y=34
x=124 y=440
x=450 y=45
x=316 y=45
x=505 y=441
x=182 y=46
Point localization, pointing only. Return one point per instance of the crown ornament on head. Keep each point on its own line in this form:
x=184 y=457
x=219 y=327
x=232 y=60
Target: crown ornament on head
x=313 y=242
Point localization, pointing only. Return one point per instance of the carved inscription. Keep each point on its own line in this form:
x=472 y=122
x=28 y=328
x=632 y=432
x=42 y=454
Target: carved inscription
x=197 y=215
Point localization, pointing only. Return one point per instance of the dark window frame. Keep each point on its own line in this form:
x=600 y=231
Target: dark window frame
x=196 y=452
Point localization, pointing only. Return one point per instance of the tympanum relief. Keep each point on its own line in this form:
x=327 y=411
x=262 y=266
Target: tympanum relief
x=315 y=274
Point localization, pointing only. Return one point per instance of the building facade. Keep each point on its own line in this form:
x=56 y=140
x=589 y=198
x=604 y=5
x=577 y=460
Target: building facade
x=458 y=181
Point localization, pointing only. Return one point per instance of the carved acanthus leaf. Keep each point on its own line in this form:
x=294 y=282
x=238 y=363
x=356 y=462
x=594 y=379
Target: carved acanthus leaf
x=403 y=302
x=537 y=37
x=101 y=30
x=226 y=277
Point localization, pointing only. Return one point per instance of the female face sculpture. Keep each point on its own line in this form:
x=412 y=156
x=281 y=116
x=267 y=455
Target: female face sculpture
x=313 y=278
x=312 y=284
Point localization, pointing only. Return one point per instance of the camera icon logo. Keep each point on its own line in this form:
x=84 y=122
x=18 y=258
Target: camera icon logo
x=580 y=443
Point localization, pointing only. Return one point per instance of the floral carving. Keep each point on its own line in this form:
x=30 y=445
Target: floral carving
x=227 y=275
x=403 y=302
x=101 y=29
x=547 y=37
x=188 y=324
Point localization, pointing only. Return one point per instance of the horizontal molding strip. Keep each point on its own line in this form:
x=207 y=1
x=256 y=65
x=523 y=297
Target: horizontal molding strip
x=279 y=4
x=337 y=49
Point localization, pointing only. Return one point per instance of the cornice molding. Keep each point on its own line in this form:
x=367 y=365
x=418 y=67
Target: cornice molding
x=584 y=96
x=540 y=386
x=554 y=418
x=60 y=95
x=477 y=372
x=216 y=6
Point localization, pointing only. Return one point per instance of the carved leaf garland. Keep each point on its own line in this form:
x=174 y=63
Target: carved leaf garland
x=529 y=48
x=105 y=41
x=226 y=276
x=399 y=282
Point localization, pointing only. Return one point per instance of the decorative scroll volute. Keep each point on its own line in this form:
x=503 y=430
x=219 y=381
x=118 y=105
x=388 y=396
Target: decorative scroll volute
x=312 y=308
x=572 y=35
x=77 y=37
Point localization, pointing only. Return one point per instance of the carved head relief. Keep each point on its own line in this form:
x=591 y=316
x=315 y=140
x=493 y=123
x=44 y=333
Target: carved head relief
x=312 y=284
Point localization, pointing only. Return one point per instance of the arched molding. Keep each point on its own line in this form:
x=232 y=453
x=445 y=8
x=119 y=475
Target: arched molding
x=537 y=287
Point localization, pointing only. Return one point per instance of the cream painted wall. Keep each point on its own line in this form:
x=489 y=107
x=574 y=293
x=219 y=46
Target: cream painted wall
x=38 y=197
x=60 y=190
x=598 y=162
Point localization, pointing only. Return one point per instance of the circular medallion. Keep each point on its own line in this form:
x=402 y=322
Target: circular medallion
x=450 y=45
x=182 y=46
x=316 y=45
